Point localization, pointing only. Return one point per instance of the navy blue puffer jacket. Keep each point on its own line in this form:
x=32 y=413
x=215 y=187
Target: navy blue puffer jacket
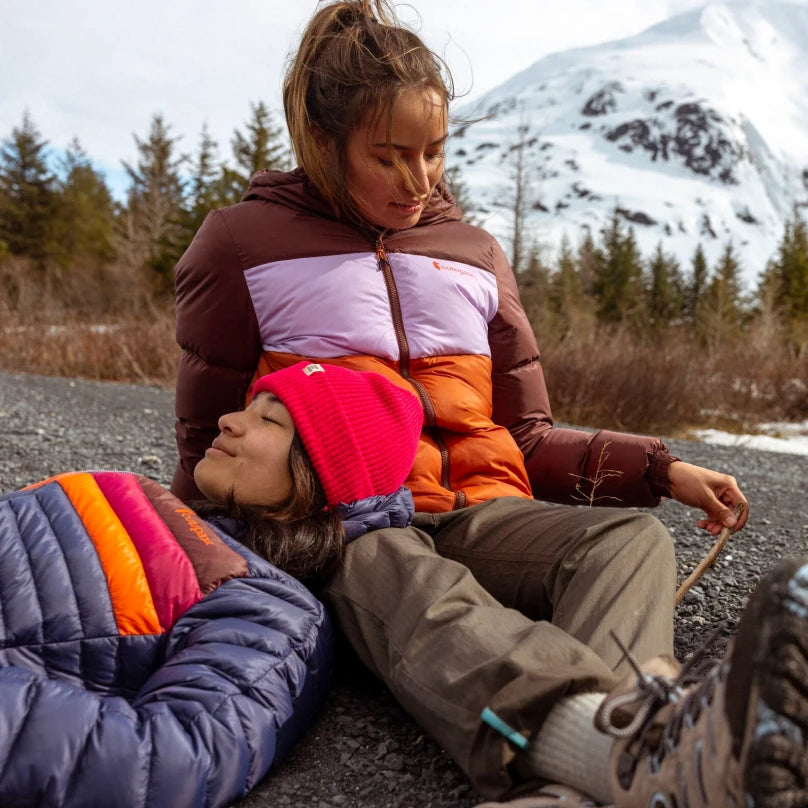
x=146 y=658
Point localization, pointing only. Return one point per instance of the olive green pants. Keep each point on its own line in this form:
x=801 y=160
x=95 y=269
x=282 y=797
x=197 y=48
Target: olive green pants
x=507 y=605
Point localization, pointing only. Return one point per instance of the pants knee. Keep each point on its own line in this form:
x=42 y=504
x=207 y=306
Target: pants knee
x=652 y=542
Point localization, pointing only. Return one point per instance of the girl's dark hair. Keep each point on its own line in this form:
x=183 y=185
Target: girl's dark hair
x=354 y=60
x=300 y=536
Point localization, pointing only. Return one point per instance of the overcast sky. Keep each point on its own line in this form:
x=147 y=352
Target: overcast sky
x=99 y=69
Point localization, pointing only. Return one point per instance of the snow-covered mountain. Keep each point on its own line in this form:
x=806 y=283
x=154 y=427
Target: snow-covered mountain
x=696 y=130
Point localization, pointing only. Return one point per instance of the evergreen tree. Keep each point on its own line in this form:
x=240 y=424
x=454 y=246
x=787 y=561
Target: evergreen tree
x=790 y=270
x=664 y=290
x=723 y=300
x=534 y=285
x=696 y=287
x=786 y=282
x=154 y=229
x=262 y=146
x=589 y=263
x=618 y=282
x=570 y=305
x=86 y=214
x=567 y=287
x=634 y=298
x=27 y=194
x=204 y=185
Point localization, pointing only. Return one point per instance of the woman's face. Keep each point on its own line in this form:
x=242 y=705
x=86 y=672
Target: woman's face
x=251 y=455
x=383 y=193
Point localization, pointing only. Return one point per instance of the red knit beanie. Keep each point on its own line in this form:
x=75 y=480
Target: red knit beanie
x=360 y=430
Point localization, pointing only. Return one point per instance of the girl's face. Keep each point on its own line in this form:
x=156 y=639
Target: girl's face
x=251 y=455
x=385 y=196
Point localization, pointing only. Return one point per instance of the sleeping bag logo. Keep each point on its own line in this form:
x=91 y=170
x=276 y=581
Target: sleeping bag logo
x=449 y=268
x=191 y=520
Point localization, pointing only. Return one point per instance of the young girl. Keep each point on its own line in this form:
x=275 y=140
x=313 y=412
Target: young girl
x=492 y=617
x=149 y=658
x=317 y=458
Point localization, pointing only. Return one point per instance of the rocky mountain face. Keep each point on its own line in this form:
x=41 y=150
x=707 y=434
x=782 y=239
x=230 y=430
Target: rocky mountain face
x=695 y=131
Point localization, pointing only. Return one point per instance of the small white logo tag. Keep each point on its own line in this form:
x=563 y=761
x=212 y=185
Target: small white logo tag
x=313 y=368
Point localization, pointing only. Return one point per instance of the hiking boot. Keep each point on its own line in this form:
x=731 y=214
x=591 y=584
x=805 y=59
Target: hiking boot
x=550 y=796
x=730 y=734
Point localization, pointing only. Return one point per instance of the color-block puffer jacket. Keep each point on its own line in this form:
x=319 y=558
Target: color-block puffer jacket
x=278 y=278
x=146 y=658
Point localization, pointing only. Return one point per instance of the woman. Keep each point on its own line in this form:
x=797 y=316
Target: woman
x=491 y=617
x=147 y=657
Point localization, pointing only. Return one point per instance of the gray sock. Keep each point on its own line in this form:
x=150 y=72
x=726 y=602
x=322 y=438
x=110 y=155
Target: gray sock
x=569 y=750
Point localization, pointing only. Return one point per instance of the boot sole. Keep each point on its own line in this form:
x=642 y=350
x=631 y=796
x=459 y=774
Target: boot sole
x=775 y=630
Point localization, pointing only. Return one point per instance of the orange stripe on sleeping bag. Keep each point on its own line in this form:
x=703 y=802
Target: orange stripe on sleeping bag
x=128 y=586
x=39 y=484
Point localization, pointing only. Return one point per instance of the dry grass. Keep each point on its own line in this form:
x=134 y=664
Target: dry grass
x=608 y=380
x=100 y=323
x=140 y=350
x=105 y=325
x=674 y=384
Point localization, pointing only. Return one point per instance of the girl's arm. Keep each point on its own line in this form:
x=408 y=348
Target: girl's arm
x=562 y=464
x=218 y=333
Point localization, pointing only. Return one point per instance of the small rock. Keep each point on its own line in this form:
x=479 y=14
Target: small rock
x=394 y=761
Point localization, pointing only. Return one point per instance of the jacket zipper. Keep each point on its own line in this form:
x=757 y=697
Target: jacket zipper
x=404 y=369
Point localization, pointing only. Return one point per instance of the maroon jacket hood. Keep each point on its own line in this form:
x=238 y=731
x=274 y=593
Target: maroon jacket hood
x=294 y=189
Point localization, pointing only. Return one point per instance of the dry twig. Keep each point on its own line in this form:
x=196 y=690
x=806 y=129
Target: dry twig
x=709 y=559
x=601 y=474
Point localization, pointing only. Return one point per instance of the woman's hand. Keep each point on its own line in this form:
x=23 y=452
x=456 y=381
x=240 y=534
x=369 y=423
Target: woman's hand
x=716 y=494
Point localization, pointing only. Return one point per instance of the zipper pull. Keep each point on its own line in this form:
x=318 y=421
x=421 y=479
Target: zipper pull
x=381 y=256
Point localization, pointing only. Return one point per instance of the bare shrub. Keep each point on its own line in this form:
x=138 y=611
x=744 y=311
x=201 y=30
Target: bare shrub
x=33 y=292
x=106 y=324
x=613 y=379
x=95 y=322
x=768 y=381
x=130 y=349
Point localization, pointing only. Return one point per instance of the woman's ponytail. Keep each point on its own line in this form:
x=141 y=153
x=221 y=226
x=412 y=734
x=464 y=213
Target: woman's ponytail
x=353 y=61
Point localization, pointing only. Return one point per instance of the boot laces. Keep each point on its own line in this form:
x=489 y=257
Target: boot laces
x=691 y=692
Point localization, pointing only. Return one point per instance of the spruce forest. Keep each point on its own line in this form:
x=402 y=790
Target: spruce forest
x=628 y=341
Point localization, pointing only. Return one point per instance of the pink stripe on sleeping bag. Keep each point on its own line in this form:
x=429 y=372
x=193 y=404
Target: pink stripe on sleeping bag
x=171 y=576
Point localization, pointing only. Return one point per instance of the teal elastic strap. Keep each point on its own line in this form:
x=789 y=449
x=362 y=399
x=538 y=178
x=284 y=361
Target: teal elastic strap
x=493 y=720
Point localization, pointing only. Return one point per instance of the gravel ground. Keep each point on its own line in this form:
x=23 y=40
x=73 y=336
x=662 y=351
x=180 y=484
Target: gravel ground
x=364 y=751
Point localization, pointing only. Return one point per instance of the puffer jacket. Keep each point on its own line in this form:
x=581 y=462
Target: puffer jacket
x=435 y=308
x=146 y=658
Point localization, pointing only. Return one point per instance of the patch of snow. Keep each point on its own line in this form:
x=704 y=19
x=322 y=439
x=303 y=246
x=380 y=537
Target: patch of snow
x=777 y=437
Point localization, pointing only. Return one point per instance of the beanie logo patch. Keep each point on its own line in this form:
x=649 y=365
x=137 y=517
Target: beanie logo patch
x=313 y=368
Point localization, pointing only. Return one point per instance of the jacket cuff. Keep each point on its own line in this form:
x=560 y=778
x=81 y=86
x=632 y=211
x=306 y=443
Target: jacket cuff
x=659 y=462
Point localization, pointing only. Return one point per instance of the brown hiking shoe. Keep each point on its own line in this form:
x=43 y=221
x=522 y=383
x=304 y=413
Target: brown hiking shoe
x=731 y=734
x=550 y=796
